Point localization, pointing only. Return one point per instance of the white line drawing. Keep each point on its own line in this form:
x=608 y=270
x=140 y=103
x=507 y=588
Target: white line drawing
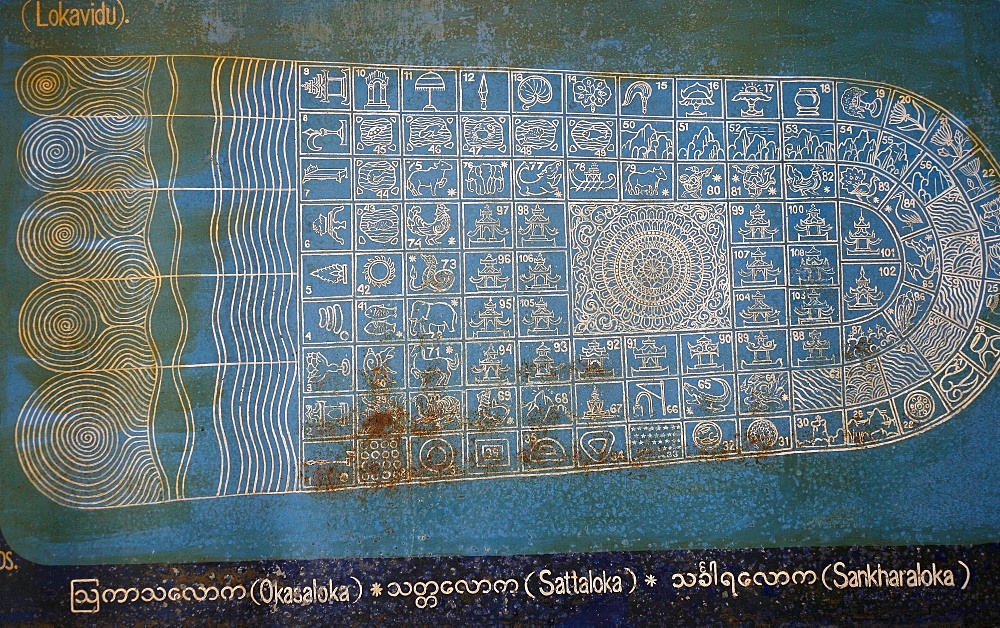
x=486 y=133
x=379 y=223
x=336 y=273
x=826 y=281
x=853 y=102
x=379 y=315
x=329 y=224
x=697 y=95
x=483 y=92
x=589 y=178
x=379 y=271
x=312 y=135
x=378 y=86
x=907 y=115
x=807 y=102
x=377 y=134
x=711 y=402
x=491 y=369
x=531 y=134
x=487 y=228
x=331 y=318
x=539 y=178
x=325 y=87
x=430 y=132
x=485 y=178
x=435 y=277
x=639 y=89
x=431 y=232
x=378 y=177
x=751 y=94
x=312 y=172
x=430 y=82
x=432 y=319
x=692 y=180
x=592 y=136
x=489 y=275
x=646 y=143
x=534 y=90
x=589 y=92
x=432 y=177
x=652 y=181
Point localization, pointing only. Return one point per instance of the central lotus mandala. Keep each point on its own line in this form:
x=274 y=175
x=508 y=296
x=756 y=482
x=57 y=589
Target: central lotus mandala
x=650 y=268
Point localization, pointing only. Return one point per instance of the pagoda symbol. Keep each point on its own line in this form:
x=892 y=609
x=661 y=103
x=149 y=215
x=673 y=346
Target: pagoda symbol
x=649 y=355
x=488 y=228
x=861 y=239
x=703 y=352
x=760 y=271
x=595 y=408
x=863 y=296
x=489 y=321
x=757 y=228
x=815 y=269
x=761 y=347
x=536 y=229
x=816 y=346
x=491 y=370
x=490 y=276
x=540 y=275
x=542 y=366
x=759 y=312
x=541 y=319
x=591 y=361
x=814 y=309
x=813 y=226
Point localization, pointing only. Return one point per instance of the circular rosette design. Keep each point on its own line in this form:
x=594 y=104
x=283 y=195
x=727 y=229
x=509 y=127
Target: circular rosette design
x=650 y=268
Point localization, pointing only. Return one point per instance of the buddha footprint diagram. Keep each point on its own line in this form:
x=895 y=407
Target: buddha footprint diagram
x=259 y=276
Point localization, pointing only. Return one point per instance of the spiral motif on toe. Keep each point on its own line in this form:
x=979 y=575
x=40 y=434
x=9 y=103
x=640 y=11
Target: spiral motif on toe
x=61 y=325
x=52 y=152
x=86 y=235
x=84 y=86
x=44 y=85
x=82 y=439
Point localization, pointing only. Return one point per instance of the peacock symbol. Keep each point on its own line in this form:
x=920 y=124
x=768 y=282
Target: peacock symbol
x=433 y=278
x=431 y=231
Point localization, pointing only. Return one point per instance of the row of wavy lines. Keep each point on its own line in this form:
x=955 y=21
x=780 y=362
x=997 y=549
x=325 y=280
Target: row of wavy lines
x=257 y=408
x=94 y=153
x=84 y=86
x=252 y=233
x=257 y=381
x=83 y=439
x=87 y=235
x=255 y=88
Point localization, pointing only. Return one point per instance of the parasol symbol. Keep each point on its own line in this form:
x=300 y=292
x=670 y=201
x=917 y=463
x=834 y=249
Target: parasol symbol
x=430 y=82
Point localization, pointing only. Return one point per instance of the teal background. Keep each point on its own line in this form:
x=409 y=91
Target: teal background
x=942 y=486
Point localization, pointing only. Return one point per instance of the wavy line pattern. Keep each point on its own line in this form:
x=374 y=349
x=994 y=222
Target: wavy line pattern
x=89 y=436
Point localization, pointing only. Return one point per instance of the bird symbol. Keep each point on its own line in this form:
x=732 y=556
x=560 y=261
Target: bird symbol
x=432 y=231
